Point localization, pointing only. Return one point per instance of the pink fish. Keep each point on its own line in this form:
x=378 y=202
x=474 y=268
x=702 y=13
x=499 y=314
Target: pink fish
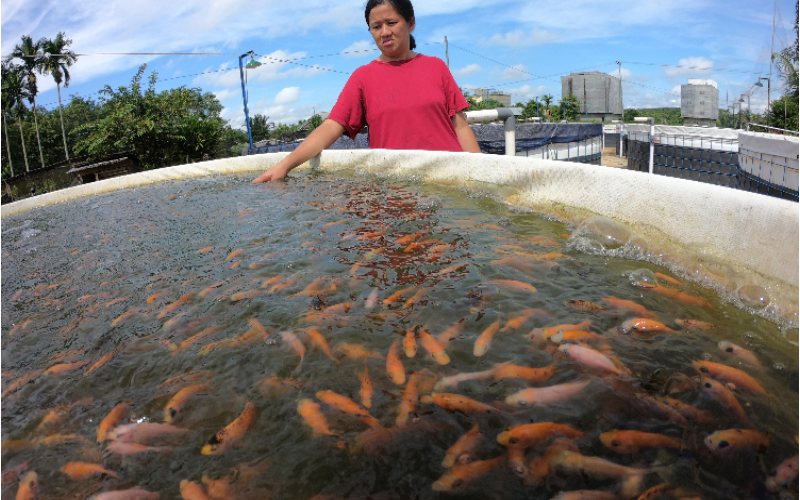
x=547 y=395
x=591 y=358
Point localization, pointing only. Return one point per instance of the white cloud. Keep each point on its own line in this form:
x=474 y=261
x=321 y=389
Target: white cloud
x=287 y=95
x=516 y=72
x=676 y=90
x=522 y=38
x=467 y=70
x=363 y=48
x=690 y=66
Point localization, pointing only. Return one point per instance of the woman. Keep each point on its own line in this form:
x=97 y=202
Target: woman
x=408 y=100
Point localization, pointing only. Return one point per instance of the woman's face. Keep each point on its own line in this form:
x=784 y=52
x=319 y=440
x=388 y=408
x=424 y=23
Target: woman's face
x=392 y=34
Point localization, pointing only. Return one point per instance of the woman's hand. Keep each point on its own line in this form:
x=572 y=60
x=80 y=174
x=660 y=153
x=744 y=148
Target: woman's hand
x=276 y=172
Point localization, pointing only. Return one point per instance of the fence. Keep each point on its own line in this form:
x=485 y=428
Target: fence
x=576 y=142
x=713 y=156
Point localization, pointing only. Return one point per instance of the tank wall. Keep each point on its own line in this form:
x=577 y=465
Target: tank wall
x=728 y=237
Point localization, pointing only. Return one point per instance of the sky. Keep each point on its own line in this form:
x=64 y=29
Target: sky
x=309 y=48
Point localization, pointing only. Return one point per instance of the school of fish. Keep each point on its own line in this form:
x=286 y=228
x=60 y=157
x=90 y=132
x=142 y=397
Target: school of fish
x=502 y=393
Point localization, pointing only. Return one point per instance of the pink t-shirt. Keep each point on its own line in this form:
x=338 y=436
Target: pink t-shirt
x=406 y=104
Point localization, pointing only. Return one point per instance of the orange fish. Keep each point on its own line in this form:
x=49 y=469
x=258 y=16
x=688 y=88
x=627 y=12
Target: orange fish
x=583 y=305
x=28 y=486
x=230 y=435
x=458 y=402
x=729 y=440
x=740 y=353
x=669 y=279
x=313 y=417
x=450 y=332
x=169 y=308
x=576 y=336
x=680 y=296
x=61 y=368
x=527 y=435
x=695 y=324
x=726 y=373
x=628 y=305
x=347 y=405
x=644 y=325
x=110 y=421
x=509 y=370
x=85 y=470
x=316 y=338
x=462 y=451
x=592 y=358
x=544 y=334
x=247 y=294
x=433 y=347
x=101 y=361
x=191 y=490
x=234 y=253
x=517 y=321
x=394 y=365
x=518 y=285
x=355 y=352
x=152 y=298
x=295 y=343
x=205 y=249
x=459 y=477
x=631 y=441
x=572 y=461
x=547 y=395
x=484 y=340
x=724 y=396
x=205 y=332
x=175 y=406
x=415 y=298
x=365 y=388
x=454 y=380
x=397 y=295
x=408 y=402
x=125 y=315
x=690 y=412
x=410 y=343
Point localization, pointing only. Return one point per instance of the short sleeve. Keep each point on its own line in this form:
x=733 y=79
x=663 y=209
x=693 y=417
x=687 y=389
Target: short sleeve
x=349 y=110
x=453 y=95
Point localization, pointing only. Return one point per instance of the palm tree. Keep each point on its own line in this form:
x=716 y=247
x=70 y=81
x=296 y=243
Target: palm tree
x=55 y=61
x=547 y=99
x=14 y=91
x=26 y=51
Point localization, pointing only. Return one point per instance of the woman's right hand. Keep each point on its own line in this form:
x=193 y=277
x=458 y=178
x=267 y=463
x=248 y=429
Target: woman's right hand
x=276 y=172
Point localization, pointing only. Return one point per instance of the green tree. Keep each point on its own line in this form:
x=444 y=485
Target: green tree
x=547 y=112
x=259 y=127
x=27 y=52
x=484 y=104
x=56 y=61
x=531 y=109
x=167 y=128
x=14 y=93
x=783 y=112
x=568 y=108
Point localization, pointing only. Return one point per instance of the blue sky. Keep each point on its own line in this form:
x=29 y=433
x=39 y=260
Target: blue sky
x=309 y=47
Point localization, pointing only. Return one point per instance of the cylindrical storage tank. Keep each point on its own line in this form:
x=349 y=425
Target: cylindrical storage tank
x=599 y=94
x=700 y=103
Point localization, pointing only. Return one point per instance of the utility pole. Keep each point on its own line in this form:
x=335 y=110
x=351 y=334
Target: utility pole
x=621 y=106
x=447 y=52
x=771 y=52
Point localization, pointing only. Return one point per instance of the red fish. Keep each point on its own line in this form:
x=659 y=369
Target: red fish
x=461 y=452
x=727 y=440
x=726 y=373
x=631 y=441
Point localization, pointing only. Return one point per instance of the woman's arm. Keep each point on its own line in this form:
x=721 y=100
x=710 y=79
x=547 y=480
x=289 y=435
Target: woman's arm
x=466 y=138
x=319 y=139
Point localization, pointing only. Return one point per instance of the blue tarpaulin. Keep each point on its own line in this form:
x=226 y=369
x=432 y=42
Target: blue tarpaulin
x=491 y=137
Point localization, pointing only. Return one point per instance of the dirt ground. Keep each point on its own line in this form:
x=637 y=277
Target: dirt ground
x=610 y=159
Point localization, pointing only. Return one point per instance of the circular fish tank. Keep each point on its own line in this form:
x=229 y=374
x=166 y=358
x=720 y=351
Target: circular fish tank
x=393 y=324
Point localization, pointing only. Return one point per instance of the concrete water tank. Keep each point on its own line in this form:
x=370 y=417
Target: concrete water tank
x=599 y=94
x=700 y=103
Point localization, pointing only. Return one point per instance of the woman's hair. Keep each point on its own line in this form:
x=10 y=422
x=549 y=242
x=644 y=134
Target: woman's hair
x=403 y=7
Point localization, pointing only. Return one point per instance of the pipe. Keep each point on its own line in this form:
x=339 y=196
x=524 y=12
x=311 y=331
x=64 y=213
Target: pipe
x=507 y=114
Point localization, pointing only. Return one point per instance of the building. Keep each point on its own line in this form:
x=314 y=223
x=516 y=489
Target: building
x=480 y=95
x=700 y=103
x=599 y=95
